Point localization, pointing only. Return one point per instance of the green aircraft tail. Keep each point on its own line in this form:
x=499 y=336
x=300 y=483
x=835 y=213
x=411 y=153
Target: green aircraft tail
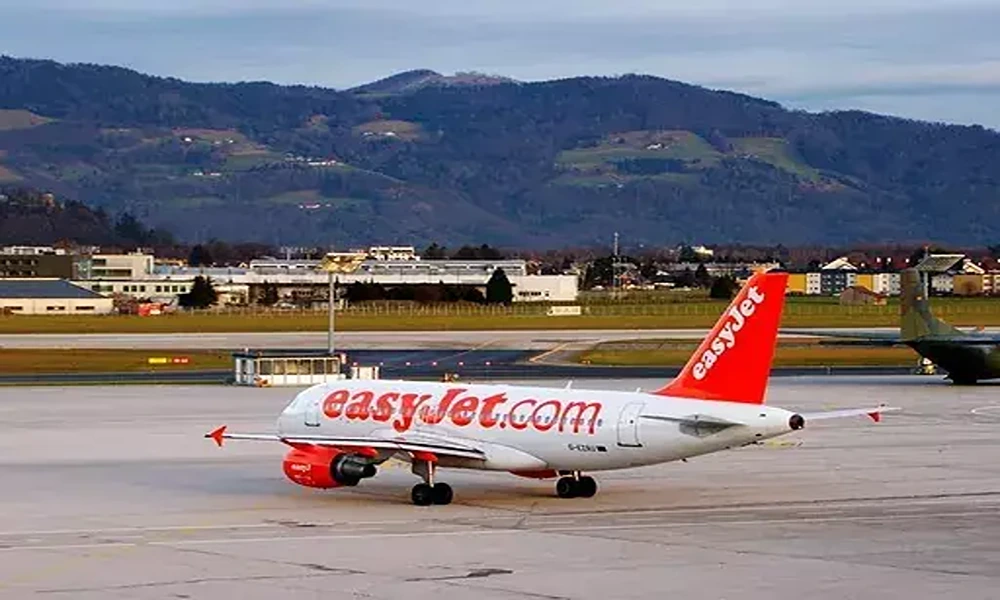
x=915 y=317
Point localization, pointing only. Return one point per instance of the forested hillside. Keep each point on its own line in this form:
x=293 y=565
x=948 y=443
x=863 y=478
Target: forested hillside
x=35 y=218
x=422 y=157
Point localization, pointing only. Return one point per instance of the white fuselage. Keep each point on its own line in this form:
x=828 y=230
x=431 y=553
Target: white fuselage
x=531 y=428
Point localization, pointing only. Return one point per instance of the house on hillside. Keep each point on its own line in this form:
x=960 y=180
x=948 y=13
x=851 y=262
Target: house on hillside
x=837 y=276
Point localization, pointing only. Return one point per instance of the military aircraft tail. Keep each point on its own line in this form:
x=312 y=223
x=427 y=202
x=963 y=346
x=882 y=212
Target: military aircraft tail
x=915 y=317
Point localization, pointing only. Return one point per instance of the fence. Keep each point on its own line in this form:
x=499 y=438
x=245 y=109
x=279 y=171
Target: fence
x=793 y=308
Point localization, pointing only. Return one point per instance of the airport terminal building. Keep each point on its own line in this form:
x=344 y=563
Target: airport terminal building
x=138 y=276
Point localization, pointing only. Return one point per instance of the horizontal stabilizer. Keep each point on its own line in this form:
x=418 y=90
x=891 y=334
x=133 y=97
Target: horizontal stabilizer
x=875 y=414
x=696 y=425
x=695 y=420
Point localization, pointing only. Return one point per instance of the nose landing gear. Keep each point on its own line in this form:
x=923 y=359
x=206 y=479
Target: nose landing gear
x=576 y=486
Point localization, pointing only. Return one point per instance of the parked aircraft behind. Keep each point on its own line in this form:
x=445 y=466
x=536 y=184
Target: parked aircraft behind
x=340 y=433
x=968 y=357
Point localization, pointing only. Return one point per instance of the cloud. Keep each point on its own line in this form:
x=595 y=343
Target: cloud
x=810 y=53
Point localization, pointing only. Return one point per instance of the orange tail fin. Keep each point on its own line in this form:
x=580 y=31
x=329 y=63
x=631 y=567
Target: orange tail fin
x=734 y=362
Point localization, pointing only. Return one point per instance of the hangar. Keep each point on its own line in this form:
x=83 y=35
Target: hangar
x=50 y=297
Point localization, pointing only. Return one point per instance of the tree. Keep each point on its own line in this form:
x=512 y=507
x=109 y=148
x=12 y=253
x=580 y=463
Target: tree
x=685 y=279
x=701 y=276
x=687 y=254
x=995 y=251
x=200 y=257
x=268 y=294
x=599 y=272
x=434 y=252
x=202 y=294
x=484 y=252
x=129 y=230
x=723 y=288
x=498 y=289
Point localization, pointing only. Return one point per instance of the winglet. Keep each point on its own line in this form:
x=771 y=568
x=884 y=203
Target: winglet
x=218 y=435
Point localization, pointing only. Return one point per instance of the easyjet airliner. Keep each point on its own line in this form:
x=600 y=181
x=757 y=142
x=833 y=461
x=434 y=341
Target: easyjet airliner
x=340 y=433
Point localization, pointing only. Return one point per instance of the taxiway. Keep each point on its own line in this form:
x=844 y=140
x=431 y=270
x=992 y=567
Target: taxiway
x=375 y=340
x=110 y=492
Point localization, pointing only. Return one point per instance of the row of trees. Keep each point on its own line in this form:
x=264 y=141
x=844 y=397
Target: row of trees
x=498 y=291
x=482 y=252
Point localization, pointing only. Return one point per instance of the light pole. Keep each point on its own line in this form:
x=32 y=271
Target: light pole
x=339 y=263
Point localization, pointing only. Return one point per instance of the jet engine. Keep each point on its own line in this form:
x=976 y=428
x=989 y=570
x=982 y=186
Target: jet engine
x=321 y=467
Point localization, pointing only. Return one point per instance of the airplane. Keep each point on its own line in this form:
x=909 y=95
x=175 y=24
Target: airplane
x=967 y=357
x=341 y=432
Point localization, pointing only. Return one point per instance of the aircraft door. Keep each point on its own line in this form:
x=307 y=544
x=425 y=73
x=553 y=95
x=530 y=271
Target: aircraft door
x=312 y=412
x=628 y=425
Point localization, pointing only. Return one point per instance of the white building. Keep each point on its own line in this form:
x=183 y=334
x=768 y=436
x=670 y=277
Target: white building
x=119 y=266
x=545 y=288
x=943 y=283
x=886 y=284
x=234 y=284
x=814 y=283
x=839 y=264
x=31 y=250
x=38 y=296
x=393 y=253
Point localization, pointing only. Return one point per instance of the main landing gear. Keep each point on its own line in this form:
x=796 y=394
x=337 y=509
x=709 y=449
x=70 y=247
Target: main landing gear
x=576 y=486
x=428 y=492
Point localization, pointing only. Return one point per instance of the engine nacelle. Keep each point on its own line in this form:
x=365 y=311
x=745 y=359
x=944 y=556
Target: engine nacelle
x=311 y=467
x=349 y=470
x=320 y=467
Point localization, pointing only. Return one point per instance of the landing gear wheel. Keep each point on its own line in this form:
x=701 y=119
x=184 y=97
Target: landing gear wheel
x=566 y=488
x=586 y=487
x=422 y=494
x=442 y=493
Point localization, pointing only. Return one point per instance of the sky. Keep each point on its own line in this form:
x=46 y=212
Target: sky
x=934 y=60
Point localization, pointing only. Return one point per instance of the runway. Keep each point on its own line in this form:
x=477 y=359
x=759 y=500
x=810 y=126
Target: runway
x=375 y=340
x=110 y=492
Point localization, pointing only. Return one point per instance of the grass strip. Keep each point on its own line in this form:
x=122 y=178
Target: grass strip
x=674 y=353
x=61 y=360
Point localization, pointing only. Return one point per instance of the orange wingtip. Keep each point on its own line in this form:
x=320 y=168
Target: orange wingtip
x=217 y=435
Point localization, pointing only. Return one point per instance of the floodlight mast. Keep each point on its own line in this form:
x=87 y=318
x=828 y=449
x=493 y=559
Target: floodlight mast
x=339 y=263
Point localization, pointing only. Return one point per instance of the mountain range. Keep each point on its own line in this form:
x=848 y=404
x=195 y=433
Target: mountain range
x=475 y=158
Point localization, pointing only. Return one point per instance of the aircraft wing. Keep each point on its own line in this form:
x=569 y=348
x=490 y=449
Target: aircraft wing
x=886 y=338
x=436 y=445
x=872 y=338
x=972 y=339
